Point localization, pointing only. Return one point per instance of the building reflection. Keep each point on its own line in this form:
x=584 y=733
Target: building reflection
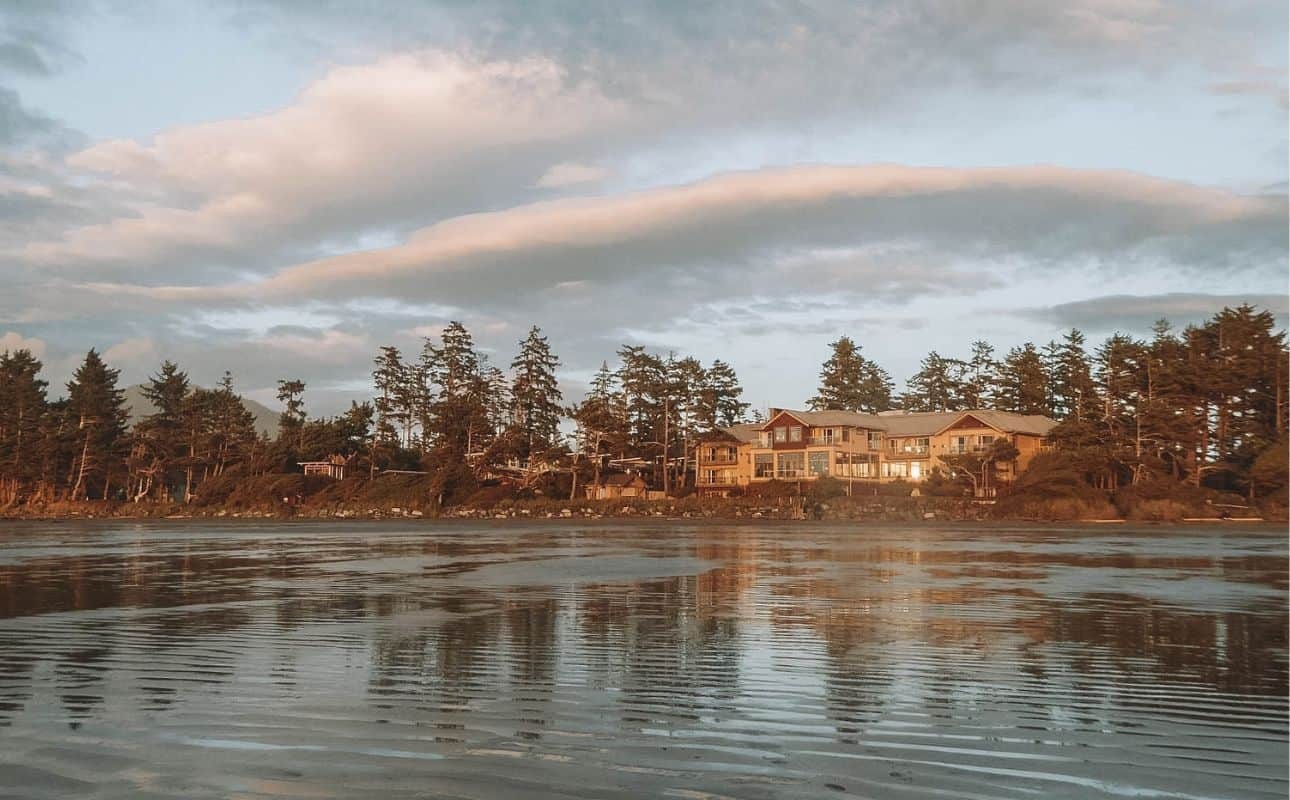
x=853 y=630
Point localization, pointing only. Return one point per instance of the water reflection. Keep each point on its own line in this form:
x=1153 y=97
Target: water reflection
x=751 y=661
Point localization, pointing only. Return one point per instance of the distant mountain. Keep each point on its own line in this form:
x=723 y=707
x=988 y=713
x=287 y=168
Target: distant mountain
x=266 y=419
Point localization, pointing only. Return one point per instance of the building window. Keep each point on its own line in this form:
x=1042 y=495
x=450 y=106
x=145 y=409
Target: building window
x=846 y=434
x=781 y=434
x=791 y=465
x=917 y=470
x=855 y=465
x=986 y=441
x=764 y=465
x=895 y=469
x=828 y=436
x=795 y=433
x=875 y=440
x=819 y=461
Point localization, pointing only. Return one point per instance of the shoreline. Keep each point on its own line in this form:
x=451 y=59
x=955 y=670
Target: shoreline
x=885 y=516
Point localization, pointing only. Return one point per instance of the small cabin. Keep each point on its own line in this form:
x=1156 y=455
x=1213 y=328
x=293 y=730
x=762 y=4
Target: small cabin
x=332 y=467
x=613 y=487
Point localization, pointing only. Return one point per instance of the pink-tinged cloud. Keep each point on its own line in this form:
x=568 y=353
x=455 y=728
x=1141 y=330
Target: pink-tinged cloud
x=396 y=130
x=1037 y=211
x=12 y=340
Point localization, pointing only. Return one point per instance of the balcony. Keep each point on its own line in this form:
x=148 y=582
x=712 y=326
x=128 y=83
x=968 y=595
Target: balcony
x=971 y=449
x=911 y=450
x=731 y=481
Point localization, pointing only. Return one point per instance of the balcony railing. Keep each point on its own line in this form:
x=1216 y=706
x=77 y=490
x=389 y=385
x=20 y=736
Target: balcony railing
x=912 y=450
x=717 y=482
x=790 y=473
x=962 y=450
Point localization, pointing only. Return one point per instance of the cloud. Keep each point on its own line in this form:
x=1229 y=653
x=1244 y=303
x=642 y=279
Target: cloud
x=329 y=346
x=1137 y=313
x=570 y=174
x=1272 y=89
x=12 y=340
x=138 y=352
x=408 y=137
x=728 y=223
x=33 y=37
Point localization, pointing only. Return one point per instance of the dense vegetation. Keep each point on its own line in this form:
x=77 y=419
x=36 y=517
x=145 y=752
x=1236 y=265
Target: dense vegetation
x=1203 y=408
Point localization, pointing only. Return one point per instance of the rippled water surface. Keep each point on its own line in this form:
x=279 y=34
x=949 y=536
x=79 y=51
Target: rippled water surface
x=191 y=659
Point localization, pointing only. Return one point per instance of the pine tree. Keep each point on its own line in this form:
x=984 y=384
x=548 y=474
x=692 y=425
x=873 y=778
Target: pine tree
x=97 y=413
x=22 y=407
x=1022 y=382
x=457 y=423
x=980 y=379
x=233 y=438
x=291 y=423
x=601 y=428
x=937 y=386
x=1074 y=394
x=850 y=382
x=641 y=376
x=156 y=449
x=535 y=394
x=393 y=407
x=1168 y=402
x=719 y=403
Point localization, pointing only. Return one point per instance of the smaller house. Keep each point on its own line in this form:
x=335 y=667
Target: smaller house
x=613 y=487
x=332 y=467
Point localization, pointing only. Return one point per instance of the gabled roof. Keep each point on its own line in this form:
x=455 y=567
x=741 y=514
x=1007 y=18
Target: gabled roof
x=621 y=479
x=744 y=432
x=923 y=423
x=931 y=423
x=822 y=418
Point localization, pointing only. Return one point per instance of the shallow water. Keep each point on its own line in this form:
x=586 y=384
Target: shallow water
x=191 y=659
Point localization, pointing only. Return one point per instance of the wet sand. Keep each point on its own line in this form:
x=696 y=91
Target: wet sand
x=590 y=659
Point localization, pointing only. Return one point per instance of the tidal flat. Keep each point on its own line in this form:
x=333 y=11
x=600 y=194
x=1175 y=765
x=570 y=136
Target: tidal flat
x=650 y=658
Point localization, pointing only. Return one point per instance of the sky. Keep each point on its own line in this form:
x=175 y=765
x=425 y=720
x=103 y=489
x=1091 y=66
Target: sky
x=280 y=187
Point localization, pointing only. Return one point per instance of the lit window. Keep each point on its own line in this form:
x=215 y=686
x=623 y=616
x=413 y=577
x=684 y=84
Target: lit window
x=781 y=434
x=819 y=463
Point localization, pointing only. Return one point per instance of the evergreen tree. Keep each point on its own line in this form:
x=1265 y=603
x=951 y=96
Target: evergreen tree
x=980 y=378
x=157 y=448
x=458 y=423
x=395 y=402
x=291 y=423
x=600 y=425
x=535 y=394
x=22 y=407
x=850 y=382
x=937 y=386
x=233 y=436
x=1073 y=391
x=97 y=414
x=1022 y=382
x=641 y=378
x=719 y=399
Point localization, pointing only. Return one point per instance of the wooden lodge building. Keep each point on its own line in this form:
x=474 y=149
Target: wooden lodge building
x=806 y=445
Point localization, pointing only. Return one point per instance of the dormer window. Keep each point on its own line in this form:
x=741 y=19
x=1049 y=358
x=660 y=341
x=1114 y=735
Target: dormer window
x=781 y=434
x=795 y=433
